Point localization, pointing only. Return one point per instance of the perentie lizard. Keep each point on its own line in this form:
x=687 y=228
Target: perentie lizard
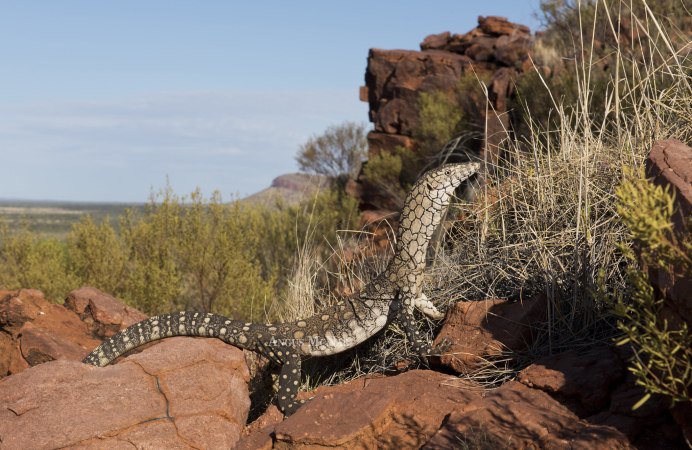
x=391 y=296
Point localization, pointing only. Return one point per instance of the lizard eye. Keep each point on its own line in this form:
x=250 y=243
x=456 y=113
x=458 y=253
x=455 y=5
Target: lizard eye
x=448 y=172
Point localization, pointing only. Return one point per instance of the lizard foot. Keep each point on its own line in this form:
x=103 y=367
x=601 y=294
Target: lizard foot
x=441 y=348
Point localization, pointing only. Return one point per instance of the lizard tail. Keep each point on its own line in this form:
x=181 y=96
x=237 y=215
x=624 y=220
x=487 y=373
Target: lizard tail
x=184 y=323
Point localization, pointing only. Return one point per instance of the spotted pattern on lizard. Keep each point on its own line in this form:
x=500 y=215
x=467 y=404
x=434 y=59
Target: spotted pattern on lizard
x=391 y=296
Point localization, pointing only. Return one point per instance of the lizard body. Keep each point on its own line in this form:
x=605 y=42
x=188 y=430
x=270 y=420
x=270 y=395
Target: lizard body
x=391 y=296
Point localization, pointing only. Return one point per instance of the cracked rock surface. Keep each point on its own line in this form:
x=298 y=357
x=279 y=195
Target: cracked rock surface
x=181 y=393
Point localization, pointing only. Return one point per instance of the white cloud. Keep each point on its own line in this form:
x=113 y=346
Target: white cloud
x=118 y=149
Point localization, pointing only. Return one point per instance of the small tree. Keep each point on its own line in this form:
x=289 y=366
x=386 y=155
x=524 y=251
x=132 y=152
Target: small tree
x=337 y=153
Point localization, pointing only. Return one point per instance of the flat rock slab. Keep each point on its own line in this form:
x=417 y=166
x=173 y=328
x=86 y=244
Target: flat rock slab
x=518 y=417
x=386 y=412
x=181 y=393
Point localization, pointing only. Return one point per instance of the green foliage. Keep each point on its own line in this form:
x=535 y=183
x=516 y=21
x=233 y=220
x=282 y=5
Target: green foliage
x=439 y=115
x=612 y=54
x=286 y=229
x=662 y=359
x=445 y=115
x=27 y=260
x=182 y=253
x=97 y=257
x=337 y=153
x=392 y=173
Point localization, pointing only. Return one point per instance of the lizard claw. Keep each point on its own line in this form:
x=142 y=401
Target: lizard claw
x=441 y=348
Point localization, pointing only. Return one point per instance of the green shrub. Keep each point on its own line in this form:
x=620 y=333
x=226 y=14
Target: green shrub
x=28 y=260
x=662 y=359
x=392 y=172
x=97 y=256
x=184 y=253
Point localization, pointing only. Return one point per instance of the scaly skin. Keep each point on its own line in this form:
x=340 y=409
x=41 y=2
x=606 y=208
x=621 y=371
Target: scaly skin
x=391 y=296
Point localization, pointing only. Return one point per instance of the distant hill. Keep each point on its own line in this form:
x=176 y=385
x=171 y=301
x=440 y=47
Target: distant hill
x=290 y=188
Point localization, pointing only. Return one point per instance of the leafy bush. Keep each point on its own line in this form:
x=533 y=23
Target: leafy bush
x=337 y=153
x=29 y=260
x=662 y=359
x=184 y=253
x=391 y=172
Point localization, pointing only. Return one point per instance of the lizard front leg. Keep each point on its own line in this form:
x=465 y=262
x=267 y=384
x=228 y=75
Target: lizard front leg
x=418 y=344
x=424 y=305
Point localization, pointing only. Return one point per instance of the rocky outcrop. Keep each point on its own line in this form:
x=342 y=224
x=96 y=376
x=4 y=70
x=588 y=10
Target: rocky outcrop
x=494 y=54
x=181 y=393
x=34 y=331
x=374 y=412
x=515 y=416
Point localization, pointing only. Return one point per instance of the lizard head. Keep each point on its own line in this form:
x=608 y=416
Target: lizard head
x=441 y=182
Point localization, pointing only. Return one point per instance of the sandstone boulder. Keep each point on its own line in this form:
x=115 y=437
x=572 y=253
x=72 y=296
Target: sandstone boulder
x=104 y=314
x=515 y=416
x=180 y=393
x=34 y=331
x=394 y=412
x=496 y=25
x=484 y=329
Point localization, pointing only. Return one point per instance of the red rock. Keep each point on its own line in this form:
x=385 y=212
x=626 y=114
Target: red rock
x=628 y=393
x=670 y=164
x=39 y=345
x=395 y=78
x=459 y=43
x=482 y=49
x=182 y=392
x=374 y=219
x=105 y=314
x=363 y=93
x=37 y=331
x=500 y=25
x=483 y=329
x=393 y=412
x=353 y=188
x=436 y=41
x=586 y=377
x=257 y=434
x=515 y=416
x=18 y=307
x=378 y=142
x=497 y=125
x=510 y=51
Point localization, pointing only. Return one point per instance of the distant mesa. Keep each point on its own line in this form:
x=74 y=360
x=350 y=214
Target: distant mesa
x=290 y=188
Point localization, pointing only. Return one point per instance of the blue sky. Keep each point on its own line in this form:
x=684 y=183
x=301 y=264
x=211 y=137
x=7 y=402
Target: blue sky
x=104 y=101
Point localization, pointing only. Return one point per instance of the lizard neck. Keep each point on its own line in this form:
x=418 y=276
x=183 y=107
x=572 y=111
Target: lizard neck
x=421 y=215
